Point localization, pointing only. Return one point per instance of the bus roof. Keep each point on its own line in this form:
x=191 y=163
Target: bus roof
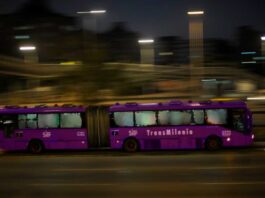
x=177 y=105
x=41 y=109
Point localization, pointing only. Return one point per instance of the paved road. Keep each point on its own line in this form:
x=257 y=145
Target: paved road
x=229 y=173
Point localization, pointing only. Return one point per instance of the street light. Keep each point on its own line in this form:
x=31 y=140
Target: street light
x=147 y=50
x=146 y=41
x=256 y=98
x=92 y=12
x=27 y=48
x=196 y=37
x=95 y=14
x=30 y=53
x=195 y=12
x=262 y=38
x=196 y=46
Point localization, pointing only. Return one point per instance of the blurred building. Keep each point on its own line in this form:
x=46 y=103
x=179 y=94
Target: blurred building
x=219 y=51
x=166 y=50
x=35 y=24
x=121 y=44
x=172 y=50
x=249 y=52
x=196 y=41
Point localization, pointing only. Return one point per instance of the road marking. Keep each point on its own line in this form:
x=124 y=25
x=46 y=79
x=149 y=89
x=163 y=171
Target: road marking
x=165 y=168
x=72 y=184
x=233 y=183
x=85 y=169
x=228 y=167
x=148 y=183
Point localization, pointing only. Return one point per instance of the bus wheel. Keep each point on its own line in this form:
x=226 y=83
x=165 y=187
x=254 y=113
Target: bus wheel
x=213 y=143
x=35 y=147
x=131 y=145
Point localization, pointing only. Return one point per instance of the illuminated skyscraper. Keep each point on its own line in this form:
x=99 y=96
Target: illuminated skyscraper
x=196 y=38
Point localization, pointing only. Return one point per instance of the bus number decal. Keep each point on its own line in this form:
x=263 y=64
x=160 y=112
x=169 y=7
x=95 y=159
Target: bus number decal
x=46 y=134
x=80 y=134
x=226 y=133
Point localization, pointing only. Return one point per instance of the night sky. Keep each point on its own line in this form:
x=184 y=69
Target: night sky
x=153 y=18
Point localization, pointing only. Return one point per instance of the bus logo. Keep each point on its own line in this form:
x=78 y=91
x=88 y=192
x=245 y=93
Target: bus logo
x=133 y=132
x=170 y=132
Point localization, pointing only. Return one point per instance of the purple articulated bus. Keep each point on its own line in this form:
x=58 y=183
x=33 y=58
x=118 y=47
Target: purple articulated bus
x=40 y=127
x=180 y=125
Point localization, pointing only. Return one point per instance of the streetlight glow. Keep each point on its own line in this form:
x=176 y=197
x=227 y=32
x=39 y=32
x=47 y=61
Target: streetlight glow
x=22 y=37
x=97 y=11
x=92 y=12
x=262 y=38
x=146 y=41
x=256 y=98
x=195 y=12
x=27 y=48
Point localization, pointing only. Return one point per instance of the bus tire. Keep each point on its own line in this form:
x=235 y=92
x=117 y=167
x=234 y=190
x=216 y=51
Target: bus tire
x=35 y=146
x=131 y=145
x=213 y=143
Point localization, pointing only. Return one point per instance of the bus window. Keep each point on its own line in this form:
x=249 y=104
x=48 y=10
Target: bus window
x=198 y=117
x=145 y=118
x=50 y=120
x=124 y=119
x=32 y=121
x=216 y=116
x=71 y=120
x=27 y=121
x=163 y=117
x=22 y=121
x=180 y=117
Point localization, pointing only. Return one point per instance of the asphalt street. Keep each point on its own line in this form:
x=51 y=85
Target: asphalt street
x=227 y=173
